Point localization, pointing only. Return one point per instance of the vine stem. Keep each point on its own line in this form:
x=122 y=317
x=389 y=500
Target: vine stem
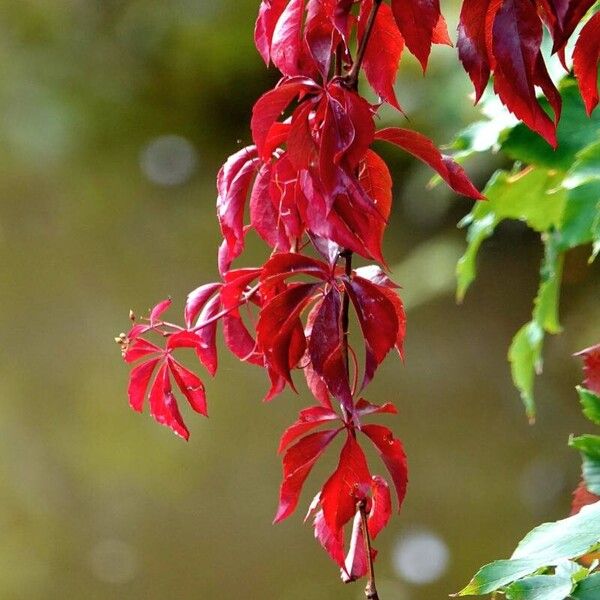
x=352 y=78
x=371 y=588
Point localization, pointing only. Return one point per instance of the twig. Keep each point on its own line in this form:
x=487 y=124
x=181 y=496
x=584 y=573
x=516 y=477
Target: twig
x=371 y=588
x=351 y=79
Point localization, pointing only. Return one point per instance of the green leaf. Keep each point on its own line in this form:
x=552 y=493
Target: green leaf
x=497 y=574
x=587 y=444
x=546 y=545
x=540 y=587
x=525 y=357
x=575 y=132
x=565 y=539
x=590 y=403
x=532 y=196
x=586 y=168
x=588 y=588
x=581 y=210
x=525 y=352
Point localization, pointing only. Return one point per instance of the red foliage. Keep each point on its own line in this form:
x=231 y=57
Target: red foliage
x=311 y=181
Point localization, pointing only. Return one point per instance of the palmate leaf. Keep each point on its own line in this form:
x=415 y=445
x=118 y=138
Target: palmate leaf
x=545 y=546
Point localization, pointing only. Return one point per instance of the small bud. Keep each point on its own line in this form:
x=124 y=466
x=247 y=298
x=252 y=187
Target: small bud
x=131 y=315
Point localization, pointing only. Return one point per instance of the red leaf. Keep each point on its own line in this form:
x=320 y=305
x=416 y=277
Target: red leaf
x=356 y=564
x=190 y=384
x=158 y=310
x=375 y=179
x=319 y=35
x=301 y=148
x=575 y=11
x=325 y=348
x=515 y=45
x=349 y=484
x=472 y=48
x=297 y=464
x=268 y=15
x=364 y=408
x=331 y=540
x=183 y=339
x=582 y=497
x=196 y=301
x=591 y=368
x=382 y=56
x=586 y=57
x=288 y=264
x=309 y=419
x=138 y=383
x=139 y=349
x=263 y=215
x=207 y=350
x=422 y=148
x=163 y=406
x=392 y=453
x=269 y=107
x=381 y=506
x=417 y=20
x=276 y=325
x=378 y=322
x=288 y=51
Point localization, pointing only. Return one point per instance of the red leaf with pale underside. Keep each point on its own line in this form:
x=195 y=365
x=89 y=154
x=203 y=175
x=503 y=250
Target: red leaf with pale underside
x=309 y=419
x=268 y=15
x=191 y=386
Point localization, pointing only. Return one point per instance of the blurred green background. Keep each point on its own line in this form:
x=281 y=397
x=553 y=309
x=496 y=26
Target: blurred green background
x=115 y=116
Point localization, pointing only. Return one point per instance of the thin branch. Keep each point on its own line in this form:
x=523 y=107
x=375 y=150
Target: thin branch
x=351 y=79
x=371 y=588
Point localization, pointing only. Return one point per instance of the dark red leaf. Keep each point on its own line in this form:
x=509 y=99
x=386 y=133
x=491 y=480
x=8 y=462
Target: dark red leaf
x=270 y=106
x=392 y=453
x=276 y=324
x=515 y=45
x=417 y=20
x=297 y=464
x=472 y=47
x=326 y=350
x=575 y=11
x=586 y=57
x=378 y=322
x=422 y=148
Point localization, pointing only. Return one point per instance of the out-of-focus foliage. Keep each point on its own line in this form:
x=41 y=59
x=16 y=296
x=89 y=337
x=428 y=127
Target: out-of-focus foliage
x=559 y=560
x=556 y=193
